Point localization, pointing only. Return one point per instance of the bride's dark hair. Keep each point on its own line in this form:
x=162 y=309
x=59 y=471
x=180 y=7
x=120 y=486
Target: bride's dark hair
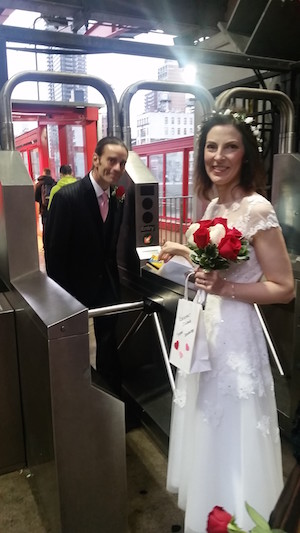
x=253 y=176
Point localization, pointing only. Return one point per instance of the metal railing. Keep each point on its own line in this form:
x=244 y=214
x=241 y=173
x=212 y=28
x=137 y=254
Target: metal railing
x=175 y=215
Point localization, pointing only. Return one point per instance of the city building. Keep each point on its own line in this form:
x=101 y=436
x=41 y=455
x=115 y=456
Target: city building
x=167 y=115
x=67 y=63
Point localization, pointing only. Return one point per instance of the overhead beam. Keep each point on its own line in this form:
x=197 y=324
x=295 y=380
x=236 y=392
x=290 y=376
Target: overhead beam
x=171 y=16
x=97 y=45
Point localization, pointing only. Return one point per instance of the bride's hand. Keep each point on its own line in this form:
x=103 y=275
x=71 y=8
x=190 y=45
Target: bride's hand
x=211 y=282
x=169 y=249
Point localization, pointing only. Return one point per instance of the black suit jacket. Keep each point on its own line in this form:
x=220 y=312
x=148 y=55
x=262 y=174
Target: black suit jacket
x=80 y=250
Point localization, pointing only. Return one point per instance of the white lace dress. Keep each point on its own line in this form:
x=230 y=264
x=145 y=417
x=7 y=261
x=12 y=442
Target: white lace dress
x=224 y=442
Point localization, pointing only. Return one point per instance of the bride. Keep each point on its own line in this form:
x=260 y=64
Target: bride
x=224 y=442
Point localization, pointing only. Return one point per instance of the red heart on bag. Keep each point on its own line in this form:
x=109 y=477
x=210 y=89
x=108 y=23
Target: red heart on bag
x=176 y=344
x=187 y=347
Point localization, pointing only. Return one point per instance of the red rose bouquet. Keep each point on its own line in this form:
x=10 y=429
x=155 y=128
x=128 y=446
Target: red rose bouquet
x=213 y=244
x=219 y=521
x=119 y=193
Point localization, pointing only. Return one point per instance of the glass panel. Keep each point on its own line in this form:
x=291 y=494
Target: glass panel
x=174 y=172
x=156 y=167
x=35 y=163
x=75 y=150
x=143 y=158
x=53 y=150
x=25 y=159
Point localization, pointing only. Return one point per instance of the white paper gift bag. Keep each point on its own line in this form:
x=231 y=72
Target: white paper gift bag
x=189 y=349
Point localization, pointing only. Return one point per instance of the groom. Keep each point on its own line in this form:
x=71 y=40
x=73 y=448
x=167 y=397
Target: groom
x=80 y=246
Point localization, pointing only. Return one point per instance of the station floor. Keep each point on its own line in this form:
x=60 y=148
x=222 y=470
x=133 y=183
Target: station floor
x=151 y=509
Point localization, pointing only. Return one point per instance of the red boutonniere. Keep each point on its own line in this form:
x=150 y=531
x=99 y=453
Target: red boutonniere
x=213 y=245
x=119 y=193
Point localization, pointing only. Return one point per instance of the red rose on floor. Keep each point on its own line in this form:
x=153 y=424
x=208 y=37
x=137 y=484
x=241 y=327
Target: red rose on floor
x=218 y=520
x=229 y=247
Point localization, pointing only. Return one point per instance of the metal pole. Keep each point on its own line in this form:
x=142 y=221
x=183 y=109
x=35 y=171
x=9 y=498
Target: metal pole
x=270 y=343
x=115 y=309
x=181 y=200
x=164 y=351
x=134 y=328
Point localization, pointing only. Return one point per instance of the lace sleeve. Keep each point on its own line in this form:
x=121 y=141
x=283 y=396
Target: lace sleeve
x=262 y=215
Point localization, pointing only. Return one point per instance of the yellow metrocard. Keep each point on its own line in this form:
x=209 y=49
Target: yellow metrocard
x=154 y=262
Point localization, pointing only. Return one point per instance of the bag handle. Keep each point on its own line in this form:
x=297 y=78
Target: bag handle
x=186 y=295
x=201 y=295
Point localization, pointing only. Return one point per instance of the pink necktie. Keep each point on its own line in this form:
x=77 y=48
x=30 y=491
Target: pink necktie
x=103 y=204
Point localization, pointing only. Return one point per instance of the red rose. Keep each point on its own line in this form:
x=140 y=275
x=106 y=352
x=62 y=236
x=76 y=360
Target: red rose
x=219 y=220
x=205 y=223
x=218 y=520
x=120 y=191
x=229 y=247
x=234 y=232
x=201 y=236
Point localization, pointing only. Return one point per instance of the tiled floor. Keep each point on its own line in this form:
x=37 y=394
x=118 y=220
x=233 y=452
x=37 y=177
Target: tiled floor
x=151 y=509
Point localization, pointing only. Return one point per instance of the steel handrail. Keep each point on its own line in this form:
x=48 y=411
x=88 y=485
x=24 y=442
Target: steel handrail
x=116 y=309
x=285 y=105
x=6 y=124
x=202 y=95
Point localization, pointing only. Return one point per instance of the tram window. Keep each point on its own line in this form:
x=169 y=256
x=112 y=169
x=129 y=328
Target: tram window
x=53 y=148
x=156 y=168
x=143 y=158
x=174 y=170
x=75 y=147
x=25 y=159
x=35 y=163
x=174 y=166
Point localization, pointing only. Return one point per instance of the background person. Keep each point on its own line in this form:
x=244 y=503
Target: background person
x=66 y=178
x=224 y=443
x=42 y=192
x=80 y=247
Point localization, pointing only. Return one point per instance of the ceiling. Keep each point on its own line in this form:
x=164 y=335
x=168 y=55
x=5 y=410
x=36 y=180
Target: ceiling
x=178 y=17
x=270 y=29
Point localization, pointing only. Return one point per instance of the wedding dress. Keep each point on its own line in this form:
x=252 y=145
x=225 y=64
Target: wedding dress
x=224 y=441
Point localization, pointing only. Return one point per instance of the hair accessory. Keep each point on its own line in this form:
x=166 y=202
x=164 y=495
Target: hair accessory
x=241 y=118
